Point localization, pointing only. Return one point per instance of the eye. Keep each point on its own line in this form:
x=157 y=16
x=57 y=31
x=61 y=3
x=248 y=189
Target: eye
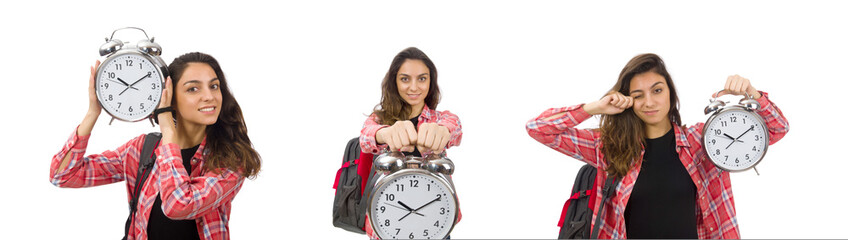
x=637 y=96
x=422 y=79
x=214 y=86
x=192 y=89
x=404 y=79
x=658 y=90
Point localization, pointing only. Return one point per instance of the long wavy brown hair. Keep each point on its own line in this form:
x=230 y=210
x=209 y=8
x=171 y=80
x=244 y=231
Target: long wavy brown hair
x=623 y=134
x=392 y=107
x=227 y=140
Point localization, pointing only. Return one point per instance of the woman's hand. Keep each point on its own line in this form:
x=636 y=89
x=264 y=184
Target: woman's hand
x=94 y=108
x=400 y=136
x=737 y=85
x=432 y=136
x=166 y=119
x=611 y=104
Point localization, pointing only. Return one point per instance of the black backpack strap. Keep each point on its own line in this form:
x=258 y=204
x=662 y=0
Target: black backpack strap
x=608 y=191
x=145 y=164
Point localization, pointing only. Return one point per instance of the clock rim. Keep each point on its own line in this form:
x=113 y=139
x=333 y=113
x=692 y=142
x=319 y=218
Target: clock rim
x=735 y=108
x=155 y=60
x=385 y=179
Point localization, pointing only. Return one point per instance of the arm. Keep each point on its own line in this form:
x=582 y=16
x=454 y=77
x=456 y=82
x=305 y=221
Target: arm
x=776 y=122
x=184 y=197
x=368 y=135
x=555 y=128
x=71 y=168
x=451 y=122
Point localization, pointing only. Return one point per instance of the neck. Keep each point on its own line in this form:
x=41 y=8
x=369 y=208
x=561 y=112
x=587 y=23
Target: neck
x=416 y=110
x=657 y=130
x=189 y=135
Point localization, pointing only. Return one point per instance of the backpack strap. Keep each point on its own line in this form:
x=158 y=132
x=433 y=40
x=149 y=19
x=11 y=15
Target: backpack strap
x=145 y=165
x=608 y=191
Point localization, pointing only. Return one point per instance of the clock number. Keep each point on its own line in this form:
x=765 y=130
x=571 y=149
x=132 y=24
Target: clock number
x=724 y=123
x=726 y=157
x=426 y=233
x=150 y=98
x=743 y=121
x=154 y=86
x=438 y=196
x=110 y=99
x=442 y=211
x=411 y=236
x=141 y=105
x=399 y=187
x=106 y=85
x=117 y=66
x=388 y=223
x=398 y=231
x=436 y=224
x=119 y=105
x=382 y=209
x=129 y=63
x=756 y=137
x=130 y=109
x=428 y=187
x=718 y=131
x=737 y=160
x=713 y=141
x=413 y=183
x=752 y=127
x=111 y=75
x=754 y=149
x=733 y=119
x=717 y=152
x=390 y=197
x=747 y=157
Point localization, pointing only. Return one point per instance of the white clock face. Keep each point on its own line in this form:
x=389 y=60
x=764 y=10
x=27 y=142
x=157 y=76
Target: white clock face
x=735 y=139
x=413 y=206
x=129 y=86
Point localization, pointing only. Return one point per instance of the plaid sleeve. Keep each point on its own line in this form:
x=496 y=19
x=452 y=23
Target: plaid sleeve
x=184 y=197
x=777 y=124
x=561 y=135
x=368 y=135
x=451 y=121
x=95 y=169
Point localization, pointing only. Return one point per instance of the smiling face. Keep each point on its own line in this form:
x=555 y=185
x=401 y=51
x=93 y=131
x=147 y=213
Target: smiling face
x=198 y=95
x=413 y=81
x=651 y=99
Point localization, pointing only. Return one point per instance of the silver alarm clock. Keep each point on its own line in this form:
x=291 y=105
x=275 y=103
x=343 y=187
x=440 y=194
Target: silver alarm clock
x=734 y=137
x=128 y=83
x=414 y=197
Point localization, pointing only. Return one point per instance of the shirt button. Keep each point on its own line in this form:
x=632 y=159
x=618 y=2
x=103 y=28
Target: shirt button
x=194 y=160
x=711 y=229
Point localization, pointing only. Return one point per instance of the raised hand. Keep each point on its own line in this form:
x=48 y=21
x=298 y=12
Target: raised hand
x=432 y=137
x=737 y=85
x=400 y=137
x=611 y=104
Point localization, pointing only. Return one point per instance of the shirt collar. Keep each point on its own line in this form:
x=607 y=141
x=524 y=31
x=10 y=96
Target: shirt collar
x=427 y=114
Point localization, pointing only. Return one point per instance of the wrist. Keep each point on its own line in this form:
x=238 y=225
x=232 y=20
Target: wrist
x=590 y=108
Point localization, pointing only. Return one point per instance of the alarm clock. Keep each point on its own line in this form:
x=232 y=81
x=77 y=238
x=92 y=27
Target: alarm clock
x=735 y=137
x=414 y=197
x=128 y=83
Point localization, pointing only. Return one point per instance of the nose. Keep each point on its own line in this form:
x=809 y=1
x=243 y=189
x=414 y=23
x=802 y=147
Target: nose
x=414 y=87
x=206 y=95
x=649 y=101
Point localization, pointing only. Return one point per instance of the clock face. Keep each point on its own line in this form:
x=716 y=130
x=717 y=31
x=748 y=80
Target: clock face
x=129 y=86
x=413 y=205
x=735 y=139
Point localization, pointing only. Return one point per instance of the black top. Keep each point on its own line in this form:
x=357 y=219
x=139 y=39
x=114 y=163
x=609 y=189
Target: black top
x=662 y=204
x=414 y=152
x=160 y=226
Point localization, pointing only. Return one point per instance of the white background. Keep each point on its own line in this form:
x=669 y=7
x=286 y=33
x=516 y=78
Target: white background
x=307 y=74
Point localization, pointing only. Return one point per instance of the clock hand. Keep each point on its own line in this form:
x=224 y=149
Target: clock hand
x=404 y=216
x=122 y=83
x=434 y=200
x=746 y=131
x=139 y=80
x=408 y=209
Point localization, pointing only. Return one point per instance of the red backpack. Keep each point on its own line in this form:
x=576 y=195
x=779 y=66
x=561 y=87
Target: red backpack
x=352 y=180
x=574 y=222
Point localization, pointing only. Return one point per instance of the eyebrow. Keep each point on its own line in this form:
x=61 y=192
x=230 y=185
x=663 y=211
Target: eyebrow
x=639 y=90
x=198 y=81
x=404 y=74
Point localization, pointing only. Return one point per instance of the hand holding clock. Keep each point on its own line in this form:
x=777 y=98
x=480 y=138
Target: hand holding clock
x=737 y=85
x=166 y=119
x=402 y=136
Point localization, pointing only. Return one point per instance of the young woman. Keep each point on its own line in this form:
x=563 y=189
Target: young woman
x=406 y=119
x=668 y=189
x=202 y=160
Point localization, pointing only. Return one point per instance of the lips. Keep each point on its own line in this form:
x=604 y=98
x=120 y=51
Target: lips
x=413 y=96
x=651 y=112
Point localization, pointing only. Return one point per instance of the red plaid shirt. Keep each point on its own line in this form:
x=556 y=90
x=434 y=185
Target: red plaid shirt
x=368 y=140
x=203 y=196
x=368 y=137
x=716 y=217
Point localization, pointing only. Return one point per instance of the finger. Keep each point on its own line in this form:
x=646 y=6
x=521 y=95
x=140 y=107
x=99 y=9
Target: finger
x=439 y=142
x=743 y=87
x=421 y=137
x=629 y=102
x=727 y=84
x=411 y=134
x=395 y=143
x=431 y=137
x=402 y=136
